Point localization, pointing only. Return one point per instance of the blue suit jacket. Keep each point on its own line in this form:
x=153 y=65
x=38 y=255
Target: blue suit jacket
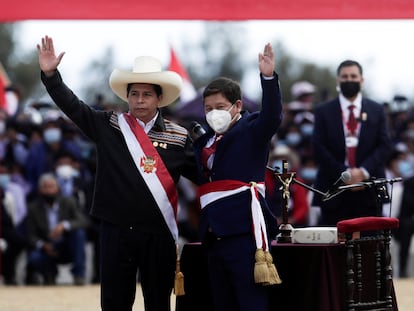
x=241 y=155
x=329 y=143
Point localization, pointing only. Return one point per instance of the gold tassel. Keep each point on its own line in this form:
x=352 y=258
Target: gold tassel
x=261 y=272
x=273 y=274
x=179 y=277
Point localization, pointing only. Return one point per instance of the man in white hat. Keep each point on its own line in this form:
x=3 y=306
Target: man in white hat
x=140 y=157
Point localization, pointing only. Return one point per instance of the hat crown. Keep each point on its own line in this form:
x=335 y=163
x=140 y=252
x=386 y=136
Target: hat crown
x=146 y=64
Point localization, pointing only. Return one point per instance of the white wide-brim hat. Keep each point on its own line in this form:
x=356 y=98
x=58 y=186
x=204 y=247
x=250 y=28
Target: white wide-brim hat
x=147 y=69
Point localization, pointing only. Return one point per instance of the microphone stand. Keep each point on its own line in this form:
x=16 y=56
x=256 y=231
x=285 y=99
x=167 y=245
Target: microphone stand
x=380 y=189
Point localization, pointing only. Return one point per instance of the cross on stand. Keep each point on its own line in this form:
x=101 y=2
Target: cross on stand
x=285 y=228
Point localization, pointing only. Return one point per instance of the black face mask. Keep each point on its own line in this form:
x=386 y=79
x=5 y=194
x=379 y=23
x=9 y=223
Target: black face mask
x=350 y=88
x=49 y=198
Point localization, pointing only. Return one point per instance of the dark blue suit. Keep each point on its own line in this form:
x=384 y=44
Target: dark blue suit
x=330 y=152
x=226 y=224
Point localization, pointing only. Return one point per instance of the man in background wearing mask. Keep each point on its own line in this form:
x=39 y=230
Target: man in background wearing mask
x=350 y=134
x=232 y=158
x=42 y=155
x=55 y=228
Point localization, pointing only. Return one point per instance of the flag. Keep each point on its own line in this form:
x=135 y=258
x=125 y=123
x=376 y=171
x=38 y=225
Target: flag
x=4 y=82
x=188 y=91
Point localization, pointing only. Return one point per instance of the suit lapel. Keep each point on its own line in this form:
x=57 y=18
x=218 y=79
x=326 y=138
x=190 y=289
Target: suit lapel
x=364 y=133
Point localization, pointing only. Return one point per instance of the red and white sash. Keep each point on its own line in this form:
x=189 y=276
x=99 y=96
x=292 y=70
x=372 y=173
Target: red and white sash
x=152 y=169
x=216 y=190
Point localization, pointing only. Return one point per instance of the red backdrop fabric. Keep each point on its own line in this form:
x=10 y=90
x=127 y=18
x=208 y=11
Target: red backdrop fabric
x=17 y=10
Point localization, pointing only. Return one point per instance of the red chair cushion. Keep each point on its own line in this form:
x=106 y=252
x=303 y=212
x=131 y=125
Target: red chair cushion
x=367 y=224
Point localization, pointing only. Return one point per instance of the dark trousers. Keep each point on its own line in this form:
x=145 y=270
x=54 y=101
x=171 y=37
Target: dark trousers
x=70 y=249
x=124 y=251
x=231 y=271
x=404 y=234
x=16 y=243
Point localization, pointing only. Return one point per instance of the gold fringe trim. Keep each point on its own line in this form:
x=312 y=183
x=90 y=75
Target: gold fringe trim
x=273 y=274
x=261 y=271
x=179 y=278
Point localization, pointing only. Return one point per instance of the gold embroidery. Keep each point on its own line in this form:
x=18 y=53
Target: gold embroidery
x=149 y=164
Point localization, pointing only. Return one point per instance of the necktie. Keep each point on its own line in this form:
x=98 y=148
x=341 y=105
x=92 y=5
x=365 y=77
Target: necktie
x=352 y=122
x=352 y=131
x=208 y=152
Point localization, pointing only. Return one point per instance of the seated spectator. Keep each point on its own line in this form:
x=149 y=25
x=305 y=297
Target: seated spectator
x=12 y=243
x=55 y=227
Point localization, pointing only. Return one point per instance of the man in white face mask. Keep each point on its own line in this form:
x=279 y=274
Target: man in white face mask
x=232 y=157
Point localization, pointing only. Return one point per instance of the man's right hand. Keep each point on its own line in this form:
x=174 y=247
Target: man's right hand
x=48 y=61
x=49 y=250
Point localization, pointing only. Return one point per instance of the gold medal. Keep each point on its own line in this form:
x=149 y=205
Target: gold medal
x=149 y=164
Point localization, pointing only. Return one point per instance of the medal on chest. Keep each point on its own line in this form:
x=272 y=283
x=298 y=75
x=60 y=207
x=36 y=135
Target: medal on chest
x=149 y=164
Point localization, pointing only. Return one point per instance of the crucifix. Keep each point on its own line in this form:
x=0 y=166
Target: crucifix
x=285 y=228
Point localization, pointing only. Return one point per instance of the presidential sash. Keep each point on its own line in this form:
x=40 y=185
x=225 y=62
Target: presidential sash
x=152 y=169
x=265 y=271
x=216 y=190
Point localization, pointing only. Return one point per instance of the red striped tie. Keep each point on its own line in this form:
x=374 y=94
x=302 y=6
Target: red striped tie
x=352 y=122
x=208 y=152
x=352 y=131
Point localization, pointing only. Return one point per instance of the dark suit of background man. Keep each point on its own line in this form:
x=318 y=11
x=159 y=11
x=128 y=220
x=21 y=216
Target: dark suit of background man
x=338 y=146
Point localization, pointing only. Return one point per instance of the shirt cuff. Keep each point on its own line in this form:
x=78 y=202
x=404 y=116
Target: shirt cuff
x=365 y=172
x=66 y=225
x=39 y=244
x=268 y=78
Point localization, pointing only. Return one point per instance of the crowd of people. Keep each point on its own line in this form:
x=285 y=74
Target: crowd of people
x=295 y=142
x=33 y=156
x=50 y=165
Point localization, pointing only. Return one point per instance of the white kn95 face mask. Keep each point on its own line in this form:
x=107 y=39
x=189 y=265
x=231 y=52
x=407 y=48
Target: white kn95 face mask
x=219 y=120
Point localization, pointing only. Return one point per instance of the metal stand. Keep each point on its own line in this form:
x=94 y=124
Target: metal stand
x=285 y=228
x=287 y=178
x=379 y=186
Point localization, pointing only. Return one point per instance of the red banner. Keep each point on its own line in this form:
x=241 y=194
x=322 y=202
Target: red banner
x=204 y=10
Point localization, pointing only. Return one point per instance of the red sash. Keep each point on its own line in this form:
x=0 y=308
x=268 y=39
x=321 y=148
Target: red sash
x=152 y=169
x=213 y=191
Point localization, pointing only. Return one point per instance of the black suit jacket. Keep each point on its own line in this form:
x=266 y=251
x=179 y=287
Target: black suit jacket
x=37 y=222
x=329 y=147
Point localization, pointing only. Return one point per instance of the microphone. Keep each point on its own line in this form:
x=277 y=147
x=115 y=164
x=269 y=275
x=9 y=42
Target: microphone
x=342 y=180
x=196 y=130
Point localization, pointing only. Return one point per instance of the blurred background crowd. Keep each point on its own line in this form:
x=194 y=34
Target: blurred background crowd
x=40 y=147
x=37 y=139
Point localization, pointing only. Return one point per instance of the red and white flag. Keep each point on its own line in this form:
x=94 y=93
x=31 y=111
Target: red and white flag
x=188 y=91
x=4 y=82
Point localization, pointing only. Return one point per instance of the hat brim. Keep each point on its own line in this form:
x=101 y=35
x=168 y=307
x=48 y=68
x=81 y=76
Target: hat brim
x=170 y=82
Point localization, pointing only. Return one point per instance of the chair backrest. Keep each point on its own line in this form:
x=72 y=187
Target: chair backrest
x=368 y=262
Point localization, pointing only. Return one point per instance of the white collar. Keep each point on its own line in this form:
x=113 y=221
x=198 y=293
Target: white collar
x=148 y=126
x=345 y=102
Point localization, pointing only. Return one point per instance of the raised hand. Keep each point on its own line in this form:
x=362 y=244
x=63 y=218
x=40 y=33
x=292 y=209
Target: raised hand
x=267 y=61
x=48 y=60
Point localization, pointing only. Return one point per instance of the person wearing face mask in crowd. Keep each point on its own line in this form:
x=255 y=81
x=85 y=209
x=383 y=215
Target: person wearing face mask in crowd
x=42 y=154
x=55 y=229
x=72 y=185
x=402 y=204
x=350 y=134
x=13 y=202
x=298 y=205
x=232 y=158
